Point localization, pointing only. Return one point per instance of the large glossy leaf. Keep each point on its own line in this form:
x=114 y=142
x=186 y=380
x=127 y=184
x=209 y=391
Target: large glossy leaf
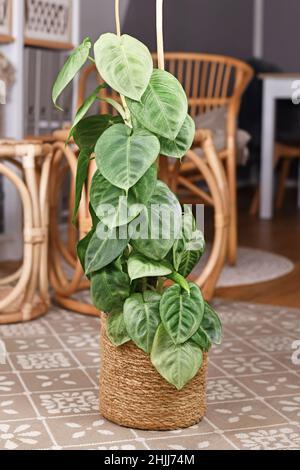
x=83 y=244
x=120 y=207
x=84 y=108
x=212 y=325
x=189 y=248
x=124 y=63
x=181 y=313
x=141 y=314
x=181 y=281
x=81 y=176
x=162 y=223
x=183 y=142
x=202 y=339
x=105 y=247
x=177 y=364
x=139 y=267
x=163 y=107
x=82 y=247
x=110 y=287
x=88 y=131
x=116 y=329
x=72 y=66
x=123 y=156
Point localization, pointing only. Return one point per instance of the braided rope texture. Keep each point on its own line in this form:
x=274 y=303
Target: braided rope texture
x=134 y=395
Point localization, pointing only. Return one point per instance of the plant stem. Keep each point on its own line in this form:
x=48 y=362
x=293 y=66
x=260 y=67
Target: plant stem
x=118 y=29
x=160 y=285
x=160 y=35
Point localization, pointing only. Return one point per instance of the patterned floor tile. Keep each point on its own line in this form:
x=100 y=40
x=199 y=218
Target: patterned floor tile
x=126 y=446
x=290 y=325
x=5 y=367
x=257 y=330
x=231 y=347
x=88 y=358
x=24 y=435
x=245 y=414
x=69 y=402
x=286 y=359
x=90 y=429
x=202 y=428
x=15 y=407
x=289 y=406
x=25 y=330
x=55 y=380
x=274 y=438
x=81 y=340
x=214 y=371
x=270 y=385
x=33 y=344
x=225 y=389
x=213 y=441
x=42 y=361
x=245 y=365
x=10 y=383
x=83 y=325
x=57 y=359
x=273 y=344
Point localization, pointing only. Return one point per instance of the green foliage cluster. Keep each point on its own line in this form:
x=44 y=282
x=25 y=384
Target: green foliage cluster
x=174 y=325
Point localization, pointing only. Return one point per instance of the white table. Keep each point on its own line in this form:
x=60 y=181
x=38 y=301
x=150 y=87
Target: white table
x=275 y=86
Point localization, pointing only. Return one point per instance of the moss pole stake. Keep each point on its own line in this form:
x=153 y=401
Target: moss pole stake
x=118 y=31
x=160 y=35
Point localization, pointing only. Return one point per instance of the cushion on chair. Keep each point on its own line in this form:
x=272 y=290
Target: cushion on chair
x=216 y=122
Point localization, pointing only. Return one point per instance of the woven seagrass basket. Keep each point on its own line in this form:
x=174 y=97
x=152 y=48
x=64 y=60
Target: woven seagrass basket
x=133 y=394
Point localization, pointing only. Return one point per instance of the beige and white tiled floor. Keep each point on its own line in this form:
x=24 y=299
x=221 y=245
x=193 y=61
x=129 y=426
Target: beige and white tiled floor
x=49 y=386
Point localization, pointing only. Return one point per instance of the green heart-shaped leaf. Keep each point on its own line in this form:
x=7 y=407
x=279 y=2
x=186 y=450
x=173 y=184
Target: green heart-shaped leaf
x=123 y=156
x=89 y=129
x=105 y=247
x=179 y=364
x=181 y=313
x=81 y=176
x=120 y=208
x=116 y=329
x=189 y=248
x=124 y=63
x=202 y=340
x=162 y=224
x=72 y=66
x=212 y=325
x=139 y=267
x=163 y=107
x=110 y=287
x=141 y=315
x=183 y=142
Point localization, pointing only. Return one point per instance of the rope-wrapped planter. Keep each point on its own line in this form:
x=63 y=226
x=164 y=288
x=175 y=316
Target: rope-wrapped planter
x=24 y=295
x=133 y=394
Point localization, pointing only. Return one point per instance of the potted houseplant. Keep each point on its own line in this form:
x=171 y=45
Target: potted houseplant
x=157 y=328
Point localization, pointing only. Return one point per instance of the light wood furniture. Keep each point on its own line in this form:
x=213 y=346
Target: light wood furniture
x=276 y=86
x=66 y=274
x=16 y=108
x=284 y=154
x=24 y=294
x=210 y=81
